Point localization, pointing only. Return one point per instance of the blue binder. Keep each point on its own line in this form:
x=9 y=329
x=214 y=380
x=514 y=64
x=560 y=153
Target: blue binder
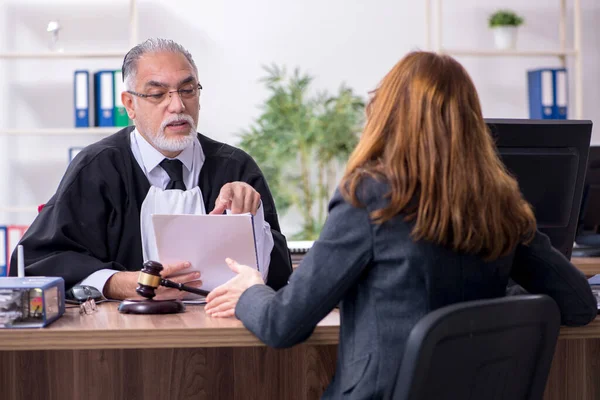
x=561 y=93
x=3 y=251
x=548 y=93
x=104 y=96
x=81 y=96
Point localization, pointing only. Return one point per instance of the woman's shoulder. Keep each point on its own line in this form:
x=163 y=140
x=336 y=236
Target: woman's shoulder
x=370 y=191
x=372 y=187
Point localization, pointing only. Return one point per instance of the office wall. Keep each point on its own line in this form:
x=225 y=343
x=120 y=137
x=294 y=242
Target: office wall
x=353 y=41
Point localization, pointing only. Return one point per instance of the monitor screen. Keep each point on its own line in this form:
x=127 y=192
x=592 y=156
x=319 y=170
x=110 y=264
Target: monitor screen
x=590 y=210
x=548 y=159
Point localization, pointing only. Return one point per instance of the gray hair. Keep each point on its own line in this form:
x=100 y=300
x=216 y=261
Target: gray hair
x=155 y=45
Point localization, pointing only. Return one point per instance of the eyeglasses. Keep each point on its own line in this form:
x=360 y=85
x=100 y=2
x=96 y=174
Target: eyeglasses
x=185 y=93
x=88 y=307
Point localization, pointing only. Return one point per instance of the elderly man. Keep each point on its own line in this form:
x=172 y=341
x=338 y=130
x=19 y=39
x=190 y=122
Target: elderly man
x=96 y=229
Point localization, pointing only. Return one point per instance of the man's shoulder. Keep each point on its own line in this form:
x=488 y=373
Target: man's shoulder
x=115 y=145
x=107 y=157
x=218 y=151
x=98 y=163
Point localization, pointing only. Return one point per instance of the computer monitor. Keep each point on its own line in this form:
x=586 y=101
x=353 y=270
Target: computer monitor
x=548 y=158
x=588 y=231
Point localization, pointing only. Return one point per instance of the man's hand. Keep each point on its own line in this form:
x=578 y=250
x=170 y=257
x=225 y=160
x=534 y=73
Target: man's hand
x=239 y=197
x=122 y=284
x=221 y=301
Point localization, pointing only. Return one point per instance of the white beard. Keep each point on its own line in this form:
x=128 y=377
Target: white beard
x=174 y=143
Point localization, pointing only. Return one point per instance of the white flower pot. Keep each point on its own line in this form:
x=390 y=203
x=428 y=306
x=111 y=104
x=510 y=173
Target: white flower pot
x=505 y=37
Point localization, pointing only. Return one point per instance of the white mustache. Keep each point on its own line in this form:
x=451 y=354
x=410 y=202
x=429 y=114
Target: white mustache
x=177 y=118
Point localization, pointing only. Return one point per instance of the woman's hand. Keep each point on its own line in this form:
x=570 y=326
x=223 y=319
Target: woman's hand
x=221 y=301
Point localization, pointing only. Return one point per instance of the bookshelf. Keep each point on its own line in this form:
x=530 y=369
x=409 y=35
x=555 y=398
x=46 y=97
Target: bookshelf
x=434 y=30
x=33 y=134
x=62 y=131
x=133 y=39
x=508 y=53
x=65 y=55
x=48 y=56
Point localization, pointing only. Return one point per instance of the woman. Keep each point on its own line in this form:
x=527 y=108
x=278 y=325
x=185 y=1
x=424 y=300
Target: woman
x=425 y=216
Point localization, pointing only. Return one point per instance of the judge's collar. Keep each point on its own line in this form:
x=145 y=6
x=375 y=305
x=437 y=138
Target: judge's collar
x=152 y=157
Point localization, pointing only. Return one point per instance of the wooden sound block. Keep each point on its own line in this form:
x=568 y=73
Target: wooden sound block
x=146 y=306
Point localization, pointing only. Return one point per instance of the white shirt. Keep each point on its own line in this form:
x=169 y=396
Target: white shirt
x=192 y=158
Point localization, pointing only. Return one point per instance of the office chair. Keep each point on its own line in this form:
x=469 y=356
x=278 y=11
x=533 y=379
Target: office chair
x=496 y=349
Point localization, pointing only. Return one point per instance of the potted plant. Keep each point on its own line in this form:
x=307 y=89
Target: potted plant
x=504 y=24
x=301 y=142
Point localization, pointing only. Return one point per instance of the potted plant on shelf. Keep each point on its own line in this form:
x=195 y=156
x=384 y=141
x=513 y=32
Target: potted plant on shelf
x=504 y=24
x=301 y=142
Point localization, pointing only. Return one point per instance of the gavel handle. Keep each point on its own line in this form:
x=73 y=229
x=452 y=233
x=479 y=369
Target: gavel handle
x=181 y=286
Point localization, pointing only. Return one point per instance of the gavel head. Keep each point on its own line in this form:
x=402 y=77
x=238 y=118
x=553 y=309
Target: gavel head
x=149 y=279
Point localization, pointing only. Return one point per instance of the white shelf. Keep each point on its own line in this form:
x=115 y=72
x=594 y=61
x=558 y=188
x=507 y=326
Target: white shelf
x=62 y=131
x=434 y=38
x=65 y=55
x=32 y=209
x=515 y=53
x=45 y=55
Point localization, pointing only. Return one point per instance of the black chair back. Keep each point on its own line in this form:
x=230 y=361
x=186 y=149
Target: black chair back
x=498 y=349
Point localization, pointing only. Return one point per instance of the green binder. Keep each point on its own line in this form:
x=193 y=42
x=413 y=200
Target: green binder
x=119 y=112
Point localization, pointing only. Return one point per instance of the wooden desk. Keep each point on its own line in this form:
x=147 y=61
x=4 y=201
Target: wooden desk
x=575 y=373
x=588 y=265
x=108 y=355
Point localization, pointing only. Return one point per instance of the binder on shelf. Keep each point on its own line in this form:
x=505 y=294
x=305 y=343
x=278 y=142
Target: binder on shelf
x=81 y=96
x=3 y=260
x=104 y=97
x=73 y=151
x=14 y=233
x=119 y=112
x=561 y=93
x=541 y=97
x=547 y=88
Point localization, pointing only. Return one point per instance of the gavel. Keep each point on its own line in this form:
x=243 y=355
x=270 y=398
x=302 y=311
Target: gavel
x=149 y=280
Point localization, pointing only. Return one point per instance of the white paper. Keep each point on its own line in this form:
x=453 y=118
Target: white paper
x=205 y=241
x=547 y=95
x=106 y=91
x=81 y=90
x=561 y=88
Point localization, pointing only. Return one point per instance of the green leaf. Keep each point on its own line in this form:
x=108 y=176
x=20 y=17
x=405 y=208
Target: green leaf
x=298 y=132
x=505 y=18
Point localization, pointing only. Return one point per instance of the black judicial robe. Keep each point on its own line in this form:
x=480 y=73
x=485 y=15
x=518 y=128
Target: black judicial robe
x=93 y=220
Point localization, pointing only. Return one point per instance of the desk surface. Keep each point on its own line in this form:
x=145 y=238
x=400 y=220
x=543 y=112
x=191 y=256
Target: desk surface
x=591 y=331
x=588 y=265
x=109 y=329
